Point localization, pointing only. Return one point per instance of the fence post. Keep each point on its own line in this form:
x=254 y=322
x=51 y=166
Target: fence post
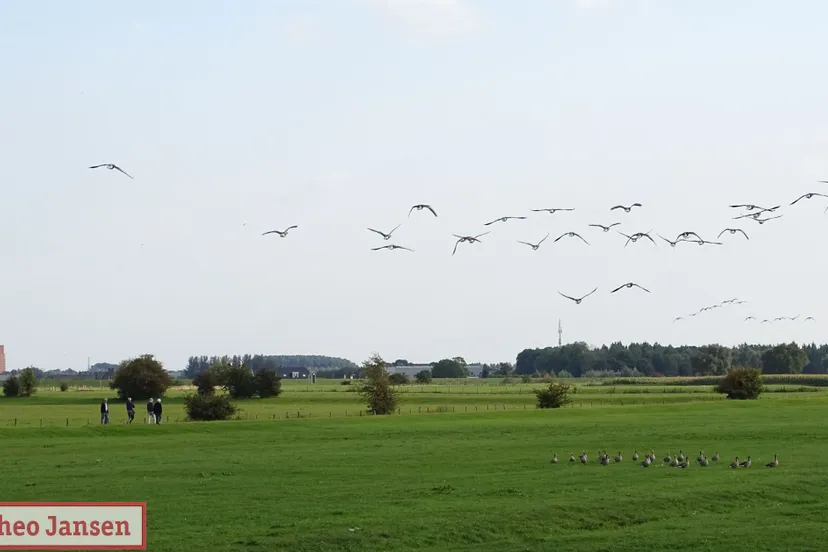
x=287 y=415
x=67 y=422
x=330 y=414
x=41 y=422
x=298 y=415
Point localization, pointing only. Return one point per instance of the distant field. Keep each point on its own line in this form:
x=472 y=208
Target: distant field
x=448 y=482
x=330 y=399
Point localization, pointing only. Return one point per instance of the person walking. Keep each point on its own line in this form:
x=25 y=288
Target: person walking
x=130 y=406
x=105 y=412
x=151 y=411
x=156 y=409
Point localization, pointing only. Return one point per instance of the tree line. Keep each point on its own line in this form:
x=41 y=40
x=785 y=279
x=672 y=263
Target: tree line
x=323 y=365
x=655 y=360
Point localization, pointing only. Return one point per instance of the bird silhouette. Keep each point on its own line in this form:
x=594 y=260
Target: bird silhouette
x=677 y=318
x=571 y=235
x=750 y=318
x=391 y=247
x=629 y=285
x=733 y=231
x=420 y=207
x=635 y=237
x=605 y=228
x=111 y=166
x=383 y=234
x=811 y=317
x=763 y=221
x=578 y=300
x=535 y=246
x=672 y=243
x=467 y=239
x=626 y=209
x=703 y=242
x=551 y=211
x=502 y=219
x=808 y=196
x=282 y=233
x=686 y=236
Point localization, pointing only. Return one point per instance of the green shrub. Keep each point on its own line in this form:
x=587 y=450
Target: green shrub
x=555 y=395
x=208 y=407
x=141 y=378
x=64 y=386
x=238 y=381
x=424 y=376
x=345 y=382
x=377 y=391
x=206 y=382
x=268 y=384
x=11 y=387
x=398 y=379
x=28 y=383
x=741 y=383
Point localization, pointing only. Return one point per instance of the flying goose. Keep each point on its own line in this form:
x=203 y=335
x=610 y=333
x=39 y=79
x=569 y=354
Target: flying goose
x=383 y=234
x=672 y=243
x=534 y=246
x=766 y=321
x=809 y=196
x=686 y=235
x=629 y=285
x=578 y=301
x=420 y=207
x=809 y=318
x=502 y=219
x=282 y=233
x=750 y=318
x=467 y=239
x=571 y=235
x=735 y=464
x=733 y=231
x=702 y=242
x=550 y=211
x=748 y=206
x=677 y=318
x=626 y=209
x=605 y=228
x=773 y=463
x=391 y=247
x=111 y=166
x=635 y=237
x=764 y=220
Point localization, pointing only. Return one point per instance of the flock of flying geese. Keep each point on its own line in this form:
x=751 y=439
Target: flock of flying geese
x=678 y=461
x=747 y=318
x=752 y=212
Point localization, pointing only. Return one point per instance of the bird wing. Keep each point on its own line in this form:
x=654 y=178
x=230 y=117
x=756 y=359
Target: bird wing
x=490 y=223
x=519 y=218
x=567 y=296
x=743 y=233
x=123 y=171
x=558 y=238
x=378 y=232
x=527 y=243
x=722 y=232
x=797 y=199
x=613 y=224
x=619 y=287
x=97 y=166
x=539 y=210
x=392 y=231
x=623 y=234
x=590 y=293
x=582 y=239
x=648 y=237
x=406 y=248
x=270 y=232
x=665 y=239
x=378 y=248
x=636 y=205
x=642 y=287
x=598 y=226
x=738 y=206
x=544 y=239
x=481 y=235
x=430 y=209
x=616 y=207
x=455 y=246
x=291 y=227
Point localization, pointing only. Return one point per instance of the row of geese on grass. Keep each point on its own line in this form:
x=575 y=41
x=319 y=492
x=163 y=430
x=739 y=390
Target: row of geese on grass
x=678 y=461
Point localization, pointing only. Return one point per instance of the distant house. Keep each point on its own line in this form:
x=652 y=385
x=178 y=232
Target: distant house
x=293 y=373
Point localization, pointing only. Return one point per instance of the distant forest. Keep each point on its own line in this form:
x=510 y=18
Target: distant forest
x=644 y=359
x=324 y=366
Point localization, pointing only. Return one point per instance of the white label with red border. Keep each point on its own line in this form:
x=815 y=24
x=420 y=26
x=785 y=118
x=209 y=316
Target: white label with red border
x=73 y=525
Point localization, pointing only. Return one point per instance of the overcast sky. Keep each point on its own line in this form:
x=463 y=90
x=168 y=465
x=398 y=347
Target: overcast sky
x=240 y=117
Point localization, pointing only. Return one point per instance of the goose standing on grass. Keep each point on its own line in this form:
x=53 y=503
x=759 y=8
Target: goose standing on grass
x=646 y=463
x=635 y=456
x=674 y=463
x=735 y=463
x=619 y=458
x=746 y=463
x=668 y=458
x=583 y=457
x=704 y=463
x=572 y=457
x=605 y=461
x=554 y=458
x=773 y=463
x=715 y=458
x=680 y=456
x=700 y=456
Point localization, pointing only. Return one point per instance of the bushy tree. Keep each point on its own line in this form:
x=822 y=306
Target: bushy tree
x=423 y=376
x=268 y=384
x=376 y=390
x=786 y=358
x=398 y=378
x=741 y=383
x=555 y=395
x=141 y=378
x=11 y=387
x=206 y=382
x=64 y=386
x=449 y=368
x=207 y=407
x=237 y=380
x=28 y=382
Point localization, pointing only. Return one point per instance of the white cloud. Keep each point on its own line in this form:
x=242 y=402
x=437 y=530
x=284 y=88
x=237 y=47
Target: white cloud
x=441 y=18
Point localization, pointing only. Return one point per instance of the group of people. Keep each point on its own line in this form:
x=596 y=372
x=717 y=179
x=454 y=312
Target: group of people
x=154 y=411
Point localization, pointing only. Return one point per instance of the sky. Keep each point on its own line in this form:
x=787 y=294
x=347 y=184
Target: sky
x=236 y=118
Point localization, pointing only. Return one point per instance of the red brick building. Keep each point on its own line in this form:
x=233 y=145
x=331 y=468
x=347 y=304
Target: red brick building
x=2 y=359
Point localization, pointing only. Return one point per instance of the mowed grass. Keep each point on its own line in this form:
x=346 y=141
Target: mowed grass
x=443 y=482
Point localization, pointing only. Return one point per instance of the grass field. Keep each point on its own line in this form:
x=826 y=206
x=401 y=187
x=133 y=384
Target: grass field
x=463 y=478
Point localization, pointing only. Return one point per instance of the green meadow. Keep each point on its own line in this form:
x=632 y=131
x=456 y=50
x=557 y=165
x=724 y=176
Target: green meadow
x=464 y=466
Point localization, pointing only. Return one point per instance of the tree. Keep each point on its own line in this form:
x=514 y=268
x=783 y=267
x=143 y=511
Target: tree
x=64 y=386
x=505 y=368
x=711 y=360
x=28 y=382
x=206 y=382
x=784 y=359
x=423 y=376
x=141 y=378
x=206 y=407
x=11 y=387
x=741 y=383
x=555 y=395
x=238 y=380
x=484 y=373
x=268 y=384
x=398 y=378
x=449 y=368
x=377 y=391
